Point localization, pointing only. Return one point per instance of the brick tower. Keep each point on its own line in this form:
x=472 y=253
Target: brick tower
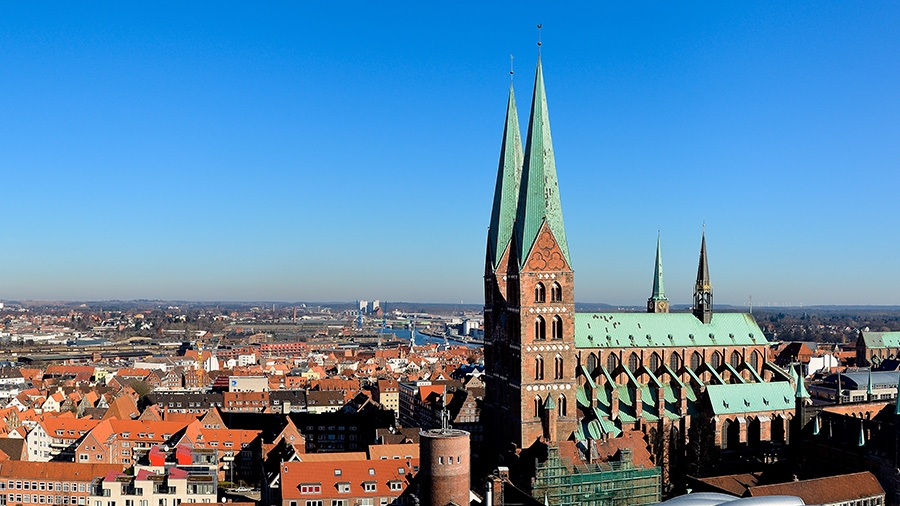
x=529 y=291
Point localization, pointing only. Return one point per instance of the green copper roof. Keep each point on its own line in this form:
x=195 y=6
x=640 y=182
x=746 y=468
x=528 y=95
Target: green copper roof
x=659 y=291
x=539 y=190
x=645 y=330
x=877 y=340
x=750 y=397
x=506 y=191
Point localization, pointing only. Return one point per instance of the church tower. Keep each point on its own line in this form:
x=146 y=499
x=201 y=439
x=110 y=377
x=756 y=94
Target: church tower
x=529 y=292
x=501 y=265
x=658 y=303
x=703 y=296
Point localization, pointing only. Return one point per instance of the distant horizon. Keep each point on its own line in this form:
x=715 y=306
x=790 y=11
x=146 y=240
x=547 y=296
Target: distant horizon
x=284 y=304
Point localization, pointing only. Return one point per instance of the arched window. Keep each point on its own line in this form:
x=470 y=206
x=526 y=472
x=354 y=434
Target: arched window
x=558 y=368
x=537 y=406
x=754 y=360
x=539 y=367
x=612 y=361
x=695 y=361
x=540 y=328
x=555 y=292
x=540 y=294
x=654 y=362
x=591 y=363
x=633 y=362
x=735 y=359
x=716 y=360
x=674 y=362
x=557 y=328
x=561 y=406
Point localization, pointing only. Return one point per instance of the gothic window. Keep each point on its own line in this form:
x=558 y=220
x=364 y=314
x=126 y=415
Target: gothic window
x=561 y=406
x=754 y=360
x=735 y=359
x=540 y=294
x=555 y=292
x=674 y=362
x=591 y=363
x=611 y=362
x=716 y=360
x=695 y=361
x=557 y=330
x=654 y=362
x=540 y=328
x=539 y=368
x=537 y=406
x=633 y=362
x=558 y=367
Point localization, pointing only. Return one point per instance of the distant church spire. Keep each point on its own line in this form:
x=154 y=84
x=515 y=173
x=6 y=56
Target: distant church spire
x=658 y=303
x=703 y=295
x=506 y=191
x=539 y=192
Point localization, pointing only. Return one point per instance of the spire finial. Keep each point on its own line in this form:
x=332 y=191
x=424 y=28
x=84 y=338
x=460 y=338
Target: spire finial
x=511 y=71
x=539 y=26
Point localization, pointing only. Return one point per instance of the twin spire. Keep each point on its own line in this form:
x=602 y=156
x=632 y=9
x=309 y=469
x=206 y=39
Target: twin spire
x=526 y=196
x=527 y=191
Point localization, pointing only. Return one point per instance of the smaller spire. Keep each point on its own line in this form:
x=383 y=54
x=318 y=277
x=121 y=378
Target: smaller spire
x=549 y=404
x=801 y=392
x=869 y=391
x=703 y=287
x=658 y=303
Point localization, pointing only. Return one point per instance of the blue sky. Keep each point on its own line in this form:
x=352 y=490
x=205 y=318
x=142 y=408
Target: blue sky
x=298 y=151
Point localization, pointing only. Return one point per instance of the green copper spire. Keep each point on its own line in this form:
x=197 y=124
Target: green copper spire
x=659 y=291
x=539 y=191
x=506 y=191
x=869 y=391
x=801 y=392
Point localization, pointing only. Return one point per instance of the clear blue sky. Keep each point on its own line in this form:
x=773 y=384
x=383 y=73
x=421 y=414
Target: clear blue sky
x=334 y=151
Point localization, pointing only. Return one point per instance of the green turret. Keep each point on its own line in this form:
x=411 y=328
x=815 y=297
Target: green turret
x=658 y=303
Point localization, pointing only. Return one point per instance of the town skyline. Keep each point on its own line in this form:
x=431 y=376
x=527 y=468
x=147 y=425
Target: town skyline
x=306 y=154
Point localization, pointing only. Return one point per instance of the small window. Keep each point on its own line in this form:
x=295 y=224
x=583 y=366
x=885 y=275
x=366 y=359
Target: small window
x=337 y=472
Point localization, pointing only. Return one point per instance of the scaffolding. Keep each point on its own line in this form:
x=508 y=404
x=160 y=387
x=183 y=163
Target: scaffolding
x=601 y=484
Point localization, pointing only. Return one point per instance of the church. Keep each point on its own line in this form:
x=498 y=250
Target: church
x=680 y=380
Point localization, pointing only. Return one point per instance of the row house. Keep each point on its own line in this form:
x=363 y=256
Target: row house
x=232 y=447
x=347 y=483
x=57 y=438
x=245 y=401
x=124 y=441
x=186 y=402
x=169 y=486
x=64 y=483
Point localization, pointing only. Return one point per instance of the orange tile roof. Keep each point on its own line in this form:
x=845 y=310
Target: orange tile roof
x=55 y=471
x=833 y=489
x=355 y=473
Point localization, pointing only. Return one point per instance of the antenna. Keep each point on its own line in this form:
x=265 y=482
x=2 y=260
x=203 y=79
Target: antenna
x=750 y=302
x=539 y=26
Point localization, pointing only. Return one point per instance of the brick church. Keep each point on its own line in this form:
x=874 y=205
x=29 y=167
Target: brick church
x=554 y=375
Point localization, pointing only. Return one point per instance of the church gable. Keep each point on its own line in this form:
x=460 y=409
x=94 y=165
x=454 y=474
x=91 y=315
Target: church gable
x=546 y=255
